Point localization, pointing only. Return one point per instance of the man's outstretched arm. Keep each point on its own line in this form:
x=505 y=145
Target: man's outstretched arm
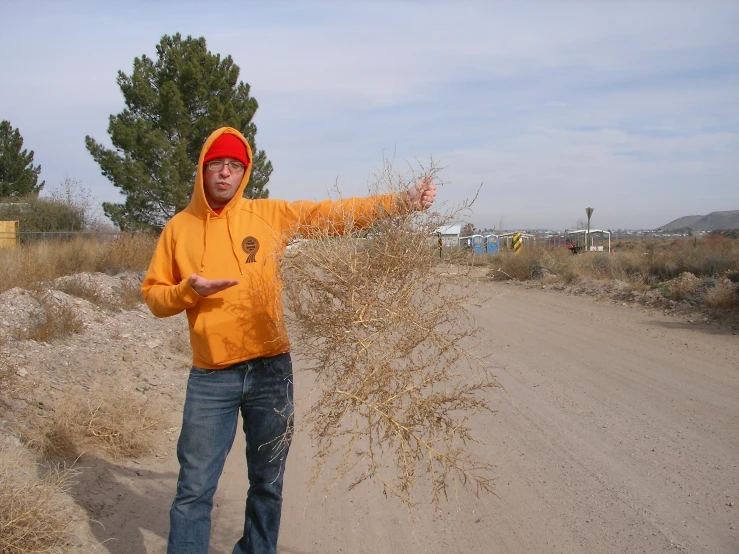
x=359 y=212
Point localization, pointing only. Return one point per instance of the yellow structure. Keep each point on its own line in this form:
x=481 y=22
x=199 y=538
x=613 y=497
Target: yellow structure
x=517 y=243
x=8 y=234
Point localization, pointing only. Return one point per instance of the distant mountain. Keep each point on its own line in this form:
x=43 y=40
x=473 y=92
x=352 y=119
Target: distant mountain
x=710 y=222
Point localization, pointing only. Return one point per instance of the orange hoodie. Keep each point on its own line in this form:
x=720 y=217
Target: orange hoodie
x=244 y=242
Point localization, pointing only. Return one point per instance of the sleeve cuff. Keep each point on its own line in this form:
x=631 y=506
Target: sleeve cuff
x=188 y=294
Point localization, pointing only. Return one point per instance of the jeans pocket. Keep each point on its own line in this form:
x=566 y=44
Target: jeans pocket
x=200 y=372
x=281 y=365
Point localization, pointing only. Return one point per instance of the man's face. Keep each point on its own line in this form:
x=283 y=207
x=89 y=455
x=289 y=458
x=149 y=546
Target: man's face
x=221 y=185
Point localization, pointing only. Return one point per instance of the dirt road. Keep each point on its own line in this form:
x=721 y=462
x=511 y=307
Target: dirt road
x=618 y=432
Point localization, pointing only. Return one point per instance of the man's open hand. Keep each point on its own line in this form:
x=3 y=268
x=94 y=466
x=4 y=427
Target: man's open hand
x=206 y=287
x=423 y=193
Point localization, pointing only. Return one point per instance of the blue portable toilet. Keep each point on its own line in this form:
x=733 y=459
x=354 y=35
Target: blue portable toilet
x=478 y=244
x=491 y=244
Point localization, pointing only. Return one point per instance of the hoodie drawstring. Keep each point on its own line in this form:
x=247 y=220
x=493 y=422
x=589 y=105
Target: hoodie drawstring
x=230 y=238
x=233 y=246
x=205 y=242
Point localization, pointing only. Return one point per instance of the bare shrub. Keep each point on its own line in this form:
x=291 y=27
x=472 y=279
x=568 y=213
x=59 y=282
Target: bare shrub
x=33 y=517
x=106 y=421
x=633 y=266
x=52 y=319
x=520 y=266
x=391 y=345
x=73 y=195
x=662 y=265
x=554 y=261
x=723 y=295
x=681 y=288
x=600 y=266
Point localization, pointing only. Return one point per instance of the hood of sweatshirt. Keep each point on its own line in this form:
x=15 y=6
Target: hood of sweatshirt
x=199 y=203
x=199 y=206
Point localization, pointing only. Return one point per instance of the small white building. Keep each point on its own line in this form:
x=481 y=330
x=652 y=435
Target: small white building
x=450 y=234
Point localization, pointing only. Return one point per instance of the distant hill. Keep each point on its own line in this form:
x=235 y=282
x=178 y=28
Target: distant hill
x=710 y=222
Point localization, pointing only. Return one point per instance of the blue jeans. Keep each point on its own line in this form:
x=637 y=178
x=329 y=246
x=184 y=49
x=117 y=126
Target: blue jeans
x=263 y=390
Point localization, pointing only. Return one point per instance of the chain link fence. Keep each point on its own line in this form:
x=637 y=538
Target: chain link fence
x=9 y=239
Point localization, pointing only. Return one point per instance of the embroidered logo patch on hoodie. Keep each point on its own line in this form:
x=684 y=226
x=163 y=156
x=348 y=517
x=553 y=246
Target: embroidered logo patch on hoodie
x=250 y=245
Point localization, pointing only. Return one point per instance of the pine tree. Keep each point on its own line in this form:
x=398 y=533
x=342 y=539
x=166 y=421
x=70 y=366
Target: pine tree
x=18 y=176
x=172 y=104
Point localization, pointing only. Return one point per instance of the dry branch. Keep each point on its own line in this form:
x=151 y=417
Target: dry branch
x=383 y=325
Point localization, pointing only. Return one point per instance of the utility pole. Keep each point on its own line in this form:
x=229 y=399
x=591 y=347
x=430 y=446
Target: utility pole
x=588 y=212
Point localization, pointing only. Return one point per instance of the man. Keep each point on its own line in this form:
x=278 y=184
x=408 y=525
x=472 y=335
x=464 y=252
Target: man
x=219 y=260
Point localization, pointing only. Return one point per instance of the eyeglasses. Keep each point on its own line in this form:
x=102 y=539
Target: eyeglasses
x=233 y=167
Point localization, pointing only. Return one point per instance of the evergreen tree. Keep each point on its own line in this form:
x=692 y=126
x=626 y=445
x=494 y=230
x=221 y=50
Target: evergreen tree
x=18 y=176
x=172 y=104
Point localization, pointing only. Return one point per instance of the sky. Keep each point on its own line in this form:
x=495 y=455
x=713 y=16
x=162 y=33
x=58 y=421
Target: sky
x=631 y=108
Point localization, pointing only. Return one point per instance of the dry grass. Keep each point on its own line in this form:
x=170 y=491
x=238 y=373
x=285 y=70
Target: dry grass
x=85 y=289
x=28 y=265
x=646 y=261
x=52 y=319
x=386 y=331
x=660 y=260
x=529 y=263
x=33 y=515
x=679 y=269
x=105 y=421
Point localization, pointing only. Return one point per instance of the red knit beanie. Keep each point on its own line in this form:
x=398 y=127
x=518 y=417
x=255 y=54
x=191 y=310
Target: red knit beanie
x=227 y=146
